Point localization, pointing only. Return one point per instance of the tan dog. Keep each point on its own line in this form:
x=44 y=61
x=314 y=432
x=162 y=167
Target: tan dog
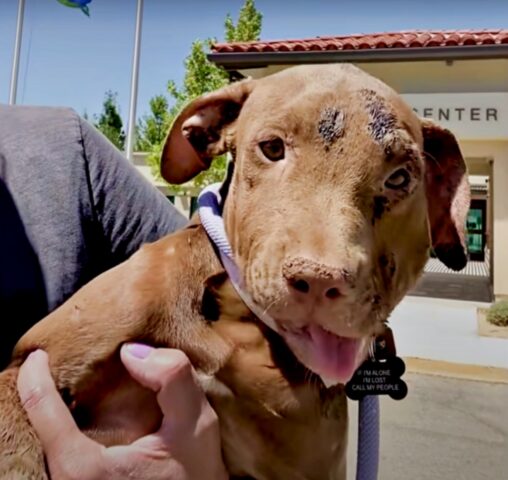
x=337 y=191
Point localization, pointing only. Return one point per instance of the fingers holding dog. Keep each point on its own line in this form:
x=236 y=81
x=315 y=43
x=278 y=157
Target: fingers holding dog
x=190 y=427
x=65 y=446
x=188 y=431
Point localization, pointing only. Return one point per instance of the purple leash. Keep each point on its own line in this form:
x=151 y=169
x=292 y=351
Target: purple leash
x=367 y=454
x=368 y=414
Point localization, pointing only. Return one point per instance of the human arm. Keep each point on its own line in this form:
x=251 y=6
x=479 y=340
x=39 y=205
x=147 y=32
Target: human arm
x=128 y=208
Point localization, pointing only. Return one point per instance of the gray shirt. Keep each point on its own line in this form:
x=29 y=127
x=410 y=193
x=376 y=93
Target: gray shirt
x=71 y=207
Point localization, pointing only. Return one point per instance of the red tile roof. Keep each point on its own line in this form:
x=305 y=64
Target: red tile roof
x=404 y=39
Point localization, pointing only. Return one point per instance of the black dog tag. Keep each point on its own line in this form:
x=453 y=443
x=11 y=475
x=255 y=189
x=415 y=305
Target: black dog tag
x=380 y=374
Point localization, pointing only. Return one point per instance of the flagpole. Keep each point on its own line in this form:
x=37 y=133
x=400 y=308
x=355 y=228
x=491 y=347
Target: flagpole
x=17 y=50
x=131 y=126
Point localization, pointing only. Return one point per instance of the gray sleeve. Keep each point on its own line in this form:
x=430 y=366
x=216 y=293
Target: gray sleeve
x=130 y=210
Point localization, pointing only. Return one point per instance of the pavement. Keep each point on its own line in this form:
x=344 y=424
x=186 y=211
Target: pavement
x=445 y=331
x=445 y=429
x=448 y=427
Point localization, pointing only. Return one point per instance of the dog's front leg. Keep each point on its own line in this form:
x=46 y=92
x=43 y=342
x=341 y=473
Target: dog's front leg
x=82 y=338
x=21 y=455
x=148 y=299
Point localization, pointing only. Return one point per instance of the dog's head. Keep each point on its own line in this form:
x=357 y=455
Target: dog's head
x=338 y=192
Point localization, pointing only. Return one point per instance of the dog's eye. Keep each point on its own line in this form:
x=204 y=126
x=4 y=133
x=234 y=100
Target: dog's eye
x=398 y=179
x=273 y=149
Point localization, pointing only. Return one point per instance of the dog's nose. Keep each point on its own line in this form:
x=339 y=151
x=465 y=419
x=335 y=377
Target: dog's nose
x=313 y=279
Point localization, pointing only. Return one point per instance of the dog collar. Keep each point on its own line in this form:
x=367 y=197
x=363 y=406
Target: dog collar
x=211 y=219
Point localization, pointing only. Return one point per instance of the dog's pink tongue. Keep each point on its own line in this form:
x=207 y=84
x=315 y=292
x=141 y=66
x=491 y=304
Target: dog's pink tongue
x=335 y=358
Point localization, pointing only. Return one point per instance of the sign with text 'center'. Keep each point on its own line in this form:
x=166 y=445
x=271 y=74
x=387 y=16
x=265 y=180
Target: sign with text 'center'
x=470 y=116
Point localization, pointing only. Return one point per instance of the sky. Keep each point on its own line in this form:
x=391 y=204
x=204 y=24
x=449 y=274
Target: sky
x=68 y=59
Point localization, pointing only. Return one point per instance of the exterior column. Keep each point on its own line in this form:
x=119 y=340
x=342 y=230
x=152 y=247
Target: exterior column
x=500 y=212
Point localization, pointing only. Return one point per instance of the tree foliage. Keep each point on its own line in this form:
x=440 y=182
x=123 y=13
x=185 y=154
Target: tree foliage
x=109 y=121
x=202 y=76
x=152 y=128
x=248 y=27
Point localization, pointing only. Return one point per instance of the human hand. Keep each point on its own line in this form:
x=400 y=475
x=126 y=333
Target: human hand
x=186 y=447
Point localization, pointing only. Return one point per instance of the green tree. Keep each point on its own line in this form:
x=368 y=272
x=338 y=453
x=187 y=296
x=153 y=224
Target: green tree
x=248 y=27
x=202 y=76
x=152 y=129
x=109 y=121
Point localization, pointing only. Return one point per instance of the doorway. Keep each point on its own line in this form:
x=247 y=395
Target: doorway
x=474 y=282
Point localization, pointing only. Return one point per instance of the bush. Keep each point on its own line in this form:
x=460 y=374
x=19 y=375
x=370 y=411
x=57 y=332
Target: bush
x=498 y=314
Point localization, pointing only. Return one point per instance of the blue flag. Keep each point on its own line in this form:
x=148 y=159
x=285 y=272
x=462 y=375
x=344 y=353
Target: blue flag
x=81 y=4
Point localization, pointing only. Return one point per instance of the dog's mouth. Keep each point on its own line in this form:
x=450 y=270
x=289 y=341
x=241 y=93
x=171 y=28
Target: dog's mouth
x=332 y=357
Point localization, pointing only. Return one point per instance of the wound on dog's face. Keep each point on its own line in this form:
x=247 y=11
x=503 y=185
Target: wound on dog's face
x=382 y=121
x=331 y=125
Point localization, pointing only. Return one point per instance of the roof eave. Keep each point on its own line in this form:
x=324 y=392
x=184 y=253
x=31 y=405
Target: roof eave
x=241 y=60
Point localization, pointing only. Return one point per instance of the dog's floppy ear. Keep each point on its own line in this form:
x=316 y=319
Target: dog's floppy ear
x=448 y=194
x=199 y=132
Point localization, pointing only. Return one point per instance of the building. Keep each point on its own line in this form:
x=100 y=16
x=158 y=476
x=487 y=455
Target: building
x=458 y=78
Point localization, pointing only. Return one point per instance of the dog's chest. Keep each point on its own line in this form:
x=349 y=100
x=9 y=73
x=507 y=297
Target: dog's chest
x=276 y=421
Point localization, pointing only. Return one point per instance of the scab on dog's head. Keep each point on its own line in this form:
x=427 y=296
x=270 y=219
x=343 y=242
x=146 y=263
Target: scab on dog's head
x=337 y=194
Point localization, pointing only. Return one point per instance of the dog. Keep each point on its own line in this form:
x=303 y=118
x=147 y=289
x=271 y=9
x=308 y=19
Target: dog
x=335 y=194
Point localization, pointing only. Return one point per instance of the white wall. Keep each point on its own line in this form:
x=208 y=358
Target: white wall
x=428 y=77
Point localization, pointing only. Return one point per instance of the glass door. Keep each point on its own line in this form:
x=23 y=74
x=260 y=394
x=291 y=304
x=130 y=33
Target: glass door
x=476 y=228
